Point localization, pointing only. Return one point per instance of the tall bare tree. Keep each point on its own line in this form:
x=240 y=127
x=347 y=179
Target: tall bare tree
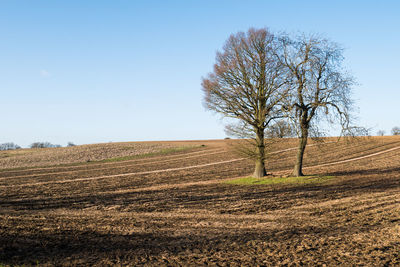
x=395 y=130
x=247 y=84
x=320 y=87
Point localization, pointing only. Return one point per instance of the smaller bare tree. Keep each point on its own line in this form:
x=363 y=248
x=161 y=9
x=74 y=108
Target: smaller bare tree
x=396 y=130
x=280 y=129
x=320 y=88
x=380 y=133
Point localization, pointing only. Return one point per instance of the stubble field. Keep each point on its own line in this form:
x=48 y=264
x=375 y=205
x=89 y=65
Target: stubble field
x=178 y=208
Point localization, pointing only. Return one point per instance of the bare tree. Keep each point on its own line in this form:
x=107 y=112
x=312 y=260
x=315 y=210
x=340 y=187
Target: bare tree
x=320 y=87
x=247 y=85
x=380 y=133
x=280 y=129
x=356 y=131
x=396 y=130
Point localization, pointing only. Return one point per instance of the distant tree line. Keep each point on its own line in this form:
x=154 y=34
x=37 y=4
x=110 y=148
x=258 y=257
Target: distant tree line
x=395 y=131
x=9 y=146
x=43 y=145
x=48 y=145
x=12 y=146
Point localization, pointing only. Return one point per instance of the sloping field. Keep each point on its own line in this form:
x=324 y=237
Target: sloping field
x=84 y=153
x=177 y=208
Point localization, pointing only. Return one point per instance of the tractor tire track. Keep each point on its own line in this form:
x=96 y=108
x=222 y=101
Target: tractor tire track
x=88 y=166
x=110 y=168
x=192 y=167
x=215 y=181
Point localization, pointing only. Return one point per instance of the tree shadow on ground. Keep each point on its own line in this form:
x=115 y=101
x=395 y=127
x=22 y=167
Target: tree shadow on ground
x=72 y=247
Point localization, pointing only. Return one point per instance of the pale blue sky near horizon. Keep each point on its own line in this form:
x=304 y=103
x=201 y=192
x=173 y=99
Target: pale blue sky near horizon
x=100 y=71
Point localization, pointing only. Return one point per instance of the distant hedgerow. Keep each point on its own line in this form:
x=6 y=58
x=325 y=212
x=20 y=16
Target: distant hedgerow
x=9 y=146
x=43 y=145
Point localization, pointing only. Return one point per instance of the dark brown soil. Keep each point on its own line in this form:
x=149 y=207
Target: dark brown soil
x=176 y=210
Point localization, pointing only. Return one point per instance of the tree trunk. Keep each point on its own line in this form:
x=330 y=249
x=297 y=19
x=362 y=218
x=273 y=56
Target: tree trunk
x=260 y=159
x=298 y=167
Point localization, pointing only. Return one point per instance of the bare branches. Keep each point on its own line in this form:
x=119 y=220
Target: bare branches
x=248 y=84
x=395 y=130
x=320 y=87
x=260 y=78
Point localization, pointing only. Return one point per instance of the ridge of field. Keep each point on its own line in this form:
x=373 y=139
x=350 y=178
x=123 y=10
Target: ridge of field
x=22 y=158
x=123 y=174
x=101 y=166
x=142 y=214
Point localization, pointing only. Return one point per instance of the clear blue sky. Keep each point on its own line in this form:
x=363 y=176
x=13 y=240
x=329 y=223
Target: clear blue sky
x=100 y=71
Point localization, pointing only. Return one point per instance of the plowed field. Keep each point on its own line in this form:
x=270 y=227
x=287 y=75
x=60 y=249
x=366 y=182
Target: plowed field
x=176 y=209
